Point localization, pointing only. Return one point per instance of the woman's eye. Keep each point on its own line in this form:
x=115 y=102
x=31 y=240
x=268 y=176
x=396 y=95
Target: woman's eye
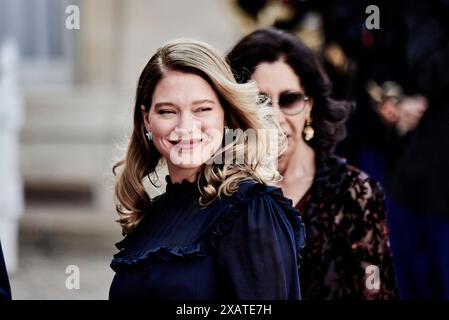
x=289 y=99
x=263 y=98
x=202 y=109
x=166 y=112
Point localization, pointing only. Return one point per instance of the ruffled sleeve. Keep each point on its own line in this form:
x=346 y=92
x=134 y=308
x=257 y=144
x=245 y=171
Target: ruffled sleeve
x=259 y=257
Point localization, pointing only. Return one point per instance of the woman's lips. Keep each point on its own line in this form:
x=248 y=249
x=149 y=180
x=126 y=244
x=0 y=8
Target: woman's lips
x=186 y=143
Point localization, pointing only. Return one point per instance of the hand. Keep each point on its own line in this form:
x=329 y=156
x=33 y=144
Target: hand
x=410 y=109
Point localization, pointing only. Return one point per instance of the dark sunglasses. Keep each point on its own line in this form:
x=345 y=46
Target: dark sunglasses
x=289 y=102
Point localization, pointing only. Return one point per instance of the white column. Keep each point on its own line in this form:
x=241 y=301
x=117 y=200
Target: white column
x=11 y=119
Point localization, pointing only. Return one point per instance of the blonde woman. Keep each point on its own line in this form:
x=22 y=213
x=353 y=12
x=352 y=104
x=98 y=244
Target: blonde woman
x=219 y=231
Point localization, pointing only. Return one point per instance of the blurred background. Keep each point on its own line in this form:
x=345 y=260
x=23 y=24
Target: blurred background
x=68 y=71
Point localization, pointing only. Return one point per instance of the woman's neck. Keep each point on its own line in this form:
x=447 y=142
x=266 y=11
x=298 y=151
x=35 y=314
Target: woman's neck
x=298 y=172
x=177 y=175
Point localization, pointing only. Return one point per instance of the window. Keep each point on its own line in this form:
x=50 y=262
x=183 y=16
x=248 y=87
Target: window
x=38 y=28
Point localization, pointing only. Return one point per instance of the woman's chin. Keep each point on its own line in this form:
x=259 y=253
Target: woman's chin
x=187 y=164
x=282 y=163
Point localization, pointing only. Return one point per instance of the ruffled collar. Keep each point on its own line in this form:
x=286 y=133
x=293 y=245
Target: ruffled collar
x=183 y=190
x=136 y=250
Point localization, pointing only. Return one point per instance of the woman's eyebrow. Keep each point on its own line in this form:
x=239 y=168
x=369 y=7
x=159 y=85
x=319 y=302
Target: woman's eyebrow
x=293 y=91
x=203 y=101
x=171 y=104
x=167 y=104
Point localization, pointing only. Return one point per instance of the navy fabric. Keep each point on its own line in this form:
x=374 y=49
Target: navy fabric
x=242 y=246
x=420 y=244
x=5 y=290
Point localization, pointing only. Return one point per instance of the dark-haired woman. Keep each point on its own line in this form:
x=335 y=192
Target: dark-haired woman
x=347 y=253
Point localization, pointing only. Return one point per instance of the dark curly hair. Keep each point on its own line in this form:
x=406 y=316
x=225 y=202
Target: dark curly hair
x=269 y=45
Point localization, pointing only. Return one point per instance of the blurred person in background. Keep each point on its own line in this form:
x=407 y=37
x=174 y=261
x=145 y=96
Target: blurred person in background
x=348 y=51
x=219 y=231
x=342 y=207
x=409 y=89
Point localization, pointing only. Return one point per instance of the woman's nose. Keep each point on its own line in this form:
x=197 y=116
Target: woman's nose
x=279 y=115
x=187 y=124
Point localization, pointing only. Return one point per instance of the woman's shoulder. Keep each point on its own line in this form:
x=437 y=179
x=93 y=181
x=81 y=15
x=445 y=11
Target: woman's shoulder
x=251 y=188
x=335 y=173
x=363 y=191
x=252 y=191
x=256 y=201
x=362 y=185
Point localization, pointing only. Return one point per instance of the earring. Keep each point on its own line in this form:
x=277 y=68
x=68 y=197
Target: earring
x=149 y=136
x=227 y=130
x=308 y=130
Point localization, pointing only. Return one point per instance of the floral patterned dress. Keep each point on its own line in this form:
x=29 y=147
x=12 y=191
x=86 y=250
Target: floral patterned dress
x=347 y=253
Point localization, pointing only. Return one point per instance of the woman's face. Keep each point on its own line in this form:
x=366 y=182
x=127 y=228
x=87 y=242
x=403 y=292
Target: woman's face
x=186 y=120
x=275 y=80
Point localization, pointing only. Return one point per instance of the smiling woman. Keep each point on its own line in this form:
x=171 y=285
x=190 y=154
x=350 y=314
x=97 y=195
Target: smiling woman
x=186 y=121
x=217 y=223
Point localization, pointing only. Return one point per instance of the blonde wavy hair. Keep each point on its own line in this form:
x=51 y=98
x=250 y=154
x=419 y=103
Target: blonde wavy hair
x=242 y=111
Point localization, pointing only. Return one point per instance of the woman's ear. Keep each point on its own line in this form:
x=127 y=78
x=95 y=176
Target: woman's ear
x=146 y=117
x=309 y=107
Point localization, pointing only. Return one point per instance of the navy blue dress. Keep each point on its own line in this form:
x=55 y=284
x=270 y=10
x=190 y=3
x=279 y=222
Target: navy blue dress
x=243 y=246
